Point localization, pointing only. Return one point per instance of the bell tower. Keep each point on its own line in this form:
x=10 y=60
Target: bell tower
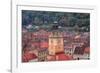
x=56 y=44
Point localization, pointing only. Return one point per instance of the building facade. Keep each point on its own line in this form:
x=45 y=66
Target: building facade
x=56 y=44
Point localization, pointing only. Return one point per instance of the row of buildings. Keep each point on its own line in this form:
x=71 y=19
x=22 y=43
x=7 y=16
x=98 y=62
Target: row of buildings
x=56 y=45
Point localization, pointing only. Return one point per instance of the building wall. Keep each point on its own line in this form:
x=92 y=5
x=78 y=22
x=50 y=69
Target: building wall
x=42 y=55
x=55 y=43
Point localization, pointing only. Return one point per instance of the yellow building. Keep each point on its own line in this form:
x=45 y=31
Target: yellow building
x=56 y=44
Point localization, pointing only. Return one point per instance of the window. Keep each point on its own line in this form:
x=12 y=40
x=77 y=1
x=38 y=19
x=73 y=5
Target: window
x=51 y=41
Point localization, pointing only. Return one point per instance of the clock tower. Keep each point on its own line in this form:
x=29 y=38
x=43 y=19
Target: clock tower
x=56 y=44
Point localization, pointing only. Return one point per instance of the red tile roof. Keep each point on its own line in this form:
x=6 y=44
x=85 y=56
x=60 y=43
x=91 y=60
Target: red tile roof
x=87 y=50
x=51 y=58
x=61 y=57
x=35 y=44
x=28 y=56
x=44 y=44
